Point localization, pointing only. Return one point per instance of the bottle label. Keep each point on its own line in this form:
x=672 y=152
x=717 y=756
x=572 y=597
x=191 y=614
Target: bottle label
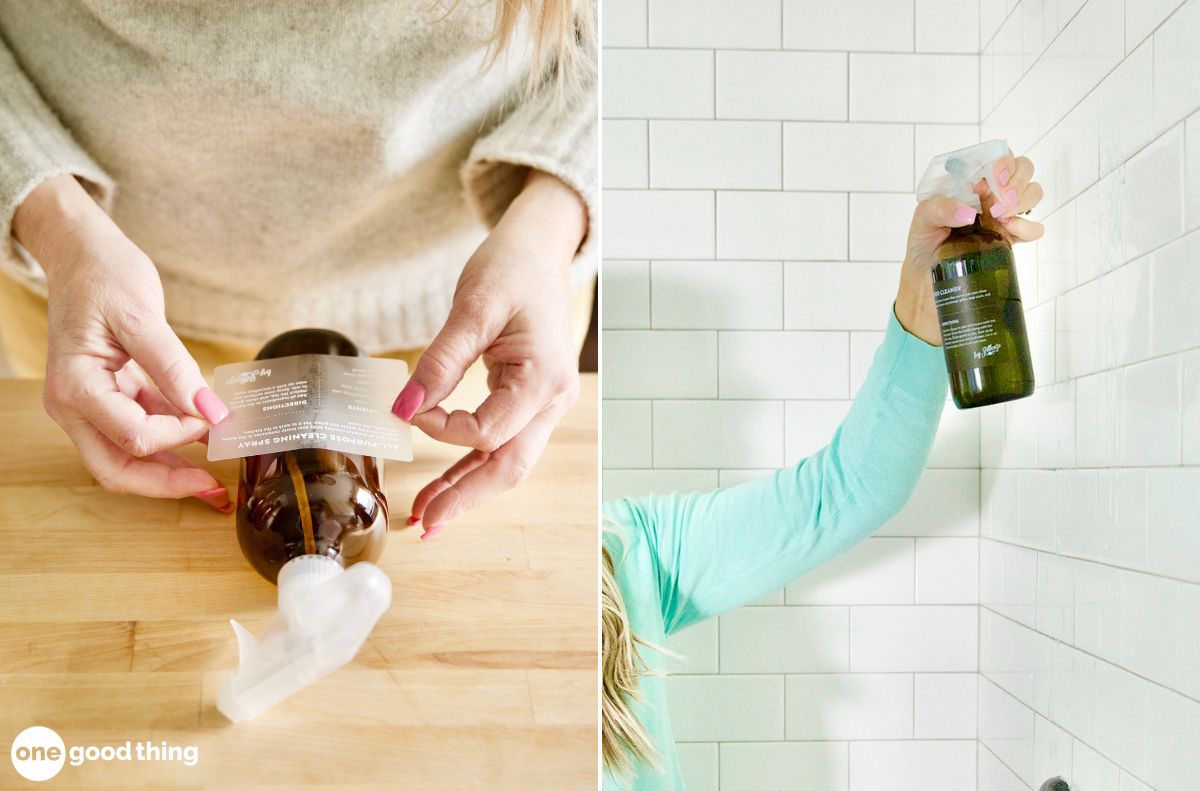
x=977 y=312
x=323 y=401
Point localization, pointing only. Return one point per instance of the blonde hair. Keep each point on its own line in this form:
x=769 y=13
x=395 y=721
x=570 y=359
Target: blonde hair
x=624 y=740
x=564 y=38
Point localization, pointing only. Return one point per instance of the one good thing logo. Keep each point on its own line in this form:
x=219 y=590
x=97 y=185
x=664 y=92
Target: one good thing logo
x=38 y=753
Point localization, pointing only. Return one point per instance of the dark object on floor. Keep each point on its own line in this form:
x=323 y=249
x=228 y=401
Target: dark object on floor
x=589 y=357
x=1055 y=784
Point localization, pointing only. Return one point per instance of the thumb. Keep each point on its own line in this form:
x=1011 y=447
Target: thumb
x=442 y=366
x=158 y=351
x=942 y=212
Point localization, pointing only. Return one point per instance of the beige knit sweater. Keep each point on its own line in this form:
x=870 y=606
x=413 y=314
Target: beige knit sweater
x=285 y=163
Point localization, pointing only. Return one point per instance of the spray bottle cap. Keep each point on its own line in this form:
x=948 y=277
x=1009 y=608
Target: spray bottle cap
x=325 y=615
x=955 y=174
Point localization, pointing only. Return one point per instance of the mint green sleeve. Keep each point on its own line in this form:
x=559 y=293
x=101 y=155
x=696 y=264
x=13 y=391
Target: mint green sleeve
x=713 y=551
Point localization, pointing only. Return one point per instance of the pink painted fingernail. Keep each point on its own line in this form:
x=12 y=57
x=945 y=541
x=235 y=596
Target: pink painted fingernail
x=412 y=520
x=964 y=215
x=409 y=400
x=218 y=498
x=433 y=531
x=1004 y=177
x=1011 y=197
x=211 y=407
x=996 y=210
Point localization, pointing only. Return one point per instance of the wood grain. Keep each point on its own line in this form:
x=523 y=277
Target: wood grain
x=483 y=674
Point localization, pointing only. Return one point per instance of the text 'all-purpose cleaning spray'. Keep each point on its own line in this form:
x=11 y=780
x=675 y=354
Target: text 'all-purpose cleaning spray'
x=313 y=521
x=975 y=287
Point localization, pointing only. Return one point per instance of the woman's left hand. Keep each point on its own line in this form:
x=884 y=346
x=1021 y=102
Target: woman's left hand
x=512 y=308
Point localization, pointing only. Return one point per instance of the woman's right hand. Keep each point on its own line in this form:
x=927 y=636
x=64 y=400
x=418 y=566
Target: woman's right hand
x=107 y=325
x=931 y=224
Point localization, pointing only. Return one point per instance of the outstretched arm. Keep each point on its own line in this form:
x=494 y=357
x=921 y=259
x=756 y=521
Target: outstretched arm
x=720 y=549
x=717 y=550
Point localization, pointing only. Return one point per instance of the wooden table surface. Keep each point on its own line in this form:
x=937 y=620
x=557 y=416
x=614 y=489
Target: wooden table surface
x=114 y=627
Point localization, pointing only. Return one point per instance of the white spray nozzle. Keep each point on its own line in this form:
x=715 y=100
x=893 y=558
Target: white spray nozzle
x=325 y=615
x=955 y=174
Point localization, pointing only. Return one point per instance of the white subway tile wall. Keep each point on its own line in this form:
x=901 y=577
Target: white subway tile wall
x=1035 y=609
x=1090 y=548
x=760 y=161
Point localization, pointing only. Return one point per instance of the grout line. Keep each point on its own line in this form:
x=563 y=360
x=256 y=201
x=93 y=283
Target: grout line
x=849 y=638
x=913 y=679
x=1094 y=88
x=849 y=766
x=783 y=157
x=914 y=568
x=1037 y=714
x=847 y=55
x=1000 y=760
x=783 y=280
x=1103 y=563
x=1003 y=22
x=648 y=159
x=717 y=249
x=1041 y=53
x=649 y=296
x=849 y=239
x=1178 y=4
x=1097 y=657
x=796 y=121
x=897 y=193
x=795 y=50
x=837 y=741
x=718 y=366
x=979 y=506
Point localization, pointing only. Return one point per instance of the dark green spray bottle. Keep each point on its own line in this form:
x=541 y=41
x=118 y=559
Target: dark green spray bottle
x=975 y=288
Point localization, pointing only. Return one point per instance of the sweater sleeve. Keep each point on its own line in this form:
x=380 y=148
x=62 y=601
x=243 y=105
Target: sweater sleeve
x=555 y=131
x=717 y=550
x=34 y=146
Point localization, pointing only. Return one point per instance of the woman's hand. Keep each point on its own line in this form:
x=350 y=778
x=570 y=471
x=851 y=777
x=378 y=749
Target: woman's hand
x=512 y=307
x=107 y=324
x=932 y=222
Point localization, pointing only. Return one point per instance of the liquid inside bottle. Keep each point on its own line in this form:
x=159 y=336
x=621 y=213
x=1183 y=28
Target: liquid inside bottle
x=310 y=501
x=981 y=316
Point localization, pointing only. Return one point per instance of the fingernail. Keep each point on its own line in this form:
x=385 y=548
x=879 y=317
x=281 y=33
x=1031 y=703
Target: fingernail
x=409 y=400
x=1004 y=177
x=433 y=531
x=1004 y=220
x=996 y=210
x=211 y=407
x=1011 y=197
x=412 y=520
x=964 y=215
x=218 y=498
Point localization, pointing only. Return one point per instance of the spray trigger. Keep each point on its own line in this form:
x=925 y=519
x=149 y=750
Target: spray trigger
x=325 y=615
x=955 y=174
x=245 y=641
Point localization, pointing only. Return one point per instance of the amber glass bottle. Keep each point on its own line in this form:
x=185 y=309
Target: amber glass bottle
x=310 y=501
x=982 y=320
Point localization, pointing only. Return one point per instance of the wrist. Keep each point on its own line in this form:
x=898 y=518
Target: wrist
x=915 y=310
x=547 y=215
x=57 y=218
